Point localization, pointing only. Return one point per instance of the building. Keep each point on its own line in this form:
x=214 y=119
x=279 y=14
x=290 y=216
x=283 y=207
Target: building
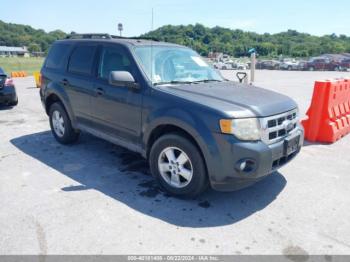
x=13 y=51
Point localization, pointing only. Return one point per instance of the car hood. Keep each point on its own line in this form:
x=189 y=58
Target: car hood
x=234 y=99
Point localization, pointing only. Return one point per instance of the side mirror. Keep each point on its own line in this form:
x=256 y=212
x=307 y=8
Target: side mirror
x=122 y=78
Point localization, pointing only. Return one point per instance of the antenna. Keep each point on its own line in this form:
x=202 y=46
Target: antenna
x=152 y=23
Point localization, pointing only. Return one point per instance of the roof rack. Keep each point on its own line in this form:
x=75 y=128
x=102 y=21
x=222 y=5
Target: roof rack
x=89 y=36
x=107 y=36
x=143 y=38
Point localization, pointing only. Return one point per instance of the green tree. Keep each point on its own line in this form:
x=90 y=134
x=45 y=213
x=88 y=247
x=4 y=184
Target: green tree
x=33 y=47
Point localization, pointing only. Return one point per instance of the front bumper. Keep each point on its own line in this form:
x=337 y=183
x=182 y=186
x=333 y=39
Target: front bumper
x=263 y=160
x=8 y=95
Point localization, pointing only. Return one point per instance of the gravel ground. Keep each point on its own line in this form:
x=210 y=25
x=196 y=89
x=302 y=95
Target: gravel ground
x=97 y=198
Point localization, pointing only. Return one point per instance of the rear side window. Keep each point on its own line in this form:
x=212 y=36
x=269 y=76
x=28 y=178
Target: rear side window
x=57 y=56
x=82 y=59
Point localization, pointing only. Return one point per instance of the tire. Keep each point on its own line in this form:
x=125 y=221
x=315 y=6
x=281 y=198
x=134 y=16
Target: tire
x=337 y=68
x=311 y=68
x=182 y=148
x=290 y=68
x=61 y=126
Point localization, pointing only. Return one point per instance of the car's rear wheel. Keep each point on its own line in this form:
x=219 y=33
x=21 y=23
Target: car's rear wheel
x=311 y=68
x=61 y=126
x=178 y=166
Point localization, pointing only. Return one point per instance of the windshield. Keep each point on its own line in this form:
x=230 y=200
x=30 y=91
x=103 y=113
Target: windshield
x=171 y=65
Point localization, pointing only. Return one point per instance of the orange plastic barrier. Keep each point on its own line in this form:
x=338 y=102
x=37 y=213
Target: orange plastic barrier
x=329 y=113
x=19 y=74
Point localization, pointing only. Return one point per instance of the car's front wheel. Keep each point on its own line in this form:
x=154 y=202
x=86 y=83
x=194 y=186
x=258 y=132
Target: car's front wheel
x=178 y=166
x=61 y=126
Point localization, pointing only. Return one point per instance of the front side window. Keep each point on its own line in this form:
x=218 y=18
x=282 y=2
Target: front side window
x=166 y=64
x=113 y=59
x=82 y=59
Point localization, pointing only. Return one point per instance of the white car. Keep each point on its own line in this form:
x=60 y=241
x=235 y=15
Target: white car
x=289 y=65
x=223 y=66
x=242 y=66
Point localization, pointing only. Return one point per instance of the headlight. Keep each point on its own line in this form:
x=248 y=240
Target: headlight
x=244 y=129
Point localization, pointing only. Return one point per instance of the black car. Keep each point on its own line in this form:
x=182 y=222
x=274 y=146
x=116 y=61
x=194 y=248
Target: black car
x=165 y=102
x=8 y=95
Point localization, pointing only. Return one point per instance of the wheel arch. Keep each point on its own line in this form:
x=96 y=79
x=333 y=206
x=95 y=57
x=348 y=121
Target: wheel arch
x=191 y=128
x=163 y=129
x=54 y=95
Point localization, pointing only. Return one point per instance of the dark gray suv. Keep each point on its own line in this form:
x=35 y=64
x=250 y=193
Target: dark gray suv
x=165 y=102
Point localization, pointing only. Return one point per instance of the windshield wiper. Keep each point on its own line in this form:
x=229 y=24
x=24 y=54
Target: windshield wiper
x=173 y=82
x=206 y=81
x=187 y=82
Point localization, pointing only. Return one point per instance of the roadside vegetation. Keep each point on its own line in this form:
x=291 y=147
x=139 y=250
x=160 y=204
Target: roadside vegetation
x=237 y=42
x=30 y=64
x=36 y=40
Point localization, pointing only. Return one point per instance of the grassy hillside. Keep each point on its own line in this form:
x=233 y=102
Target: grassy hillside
x=238 y=42
x=24 y=35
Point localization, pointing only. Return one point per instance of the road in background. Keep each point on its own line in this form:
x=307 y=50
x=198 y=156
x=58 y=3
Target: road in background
x=97 y=198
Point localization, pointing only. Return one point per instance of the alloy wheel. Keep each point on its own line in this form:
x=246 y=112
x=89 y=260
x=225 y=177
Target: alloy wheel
x=58 y=123
x=175 y=167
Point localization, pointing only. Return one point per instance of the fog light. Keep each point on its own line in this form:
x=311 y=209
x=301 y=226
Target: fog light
x=245 y=165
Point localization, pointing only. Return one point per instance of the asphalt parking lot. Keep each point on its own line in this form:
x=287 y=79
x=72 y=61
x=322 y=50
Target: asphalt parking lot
x=97 y=198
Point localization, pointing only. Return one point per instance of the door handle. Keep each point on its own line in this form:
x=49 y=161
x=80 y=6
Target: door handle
x=65 y=82
x=100 y=91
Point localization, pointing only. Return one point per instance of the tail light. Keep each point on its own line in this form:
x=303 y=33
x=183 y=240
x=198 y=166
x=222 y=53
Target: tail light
x=9 y=82
x=40 y=79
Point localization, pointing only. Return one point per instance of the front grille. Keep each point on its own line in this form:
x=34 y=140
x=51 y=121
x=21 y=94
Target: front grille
x=283 y=160
x=276 y=127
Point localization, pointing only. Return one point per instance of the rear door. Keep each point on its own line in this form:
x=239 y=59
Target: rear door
x=321 y=64
x=117 y=109
x=79 y=80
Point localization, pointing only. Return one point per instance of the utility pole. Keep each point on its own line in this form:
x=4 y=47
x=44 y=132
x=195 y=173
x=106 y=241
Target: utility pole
x=252 y=53
x=120 y=28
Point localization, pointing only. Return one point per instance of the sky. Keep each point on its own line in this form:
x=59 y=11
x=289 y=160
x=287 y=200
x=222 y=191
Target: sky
x=317 y=17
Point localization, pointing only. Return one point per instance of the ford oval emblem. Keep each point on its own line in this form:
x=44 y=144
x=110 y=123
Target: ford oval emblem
x=288 y=125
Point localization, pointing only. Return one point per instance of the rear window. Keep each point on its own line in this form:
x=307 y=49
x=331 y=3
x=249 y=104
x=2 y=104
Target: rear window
x=57 y=56
x=81 y=60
